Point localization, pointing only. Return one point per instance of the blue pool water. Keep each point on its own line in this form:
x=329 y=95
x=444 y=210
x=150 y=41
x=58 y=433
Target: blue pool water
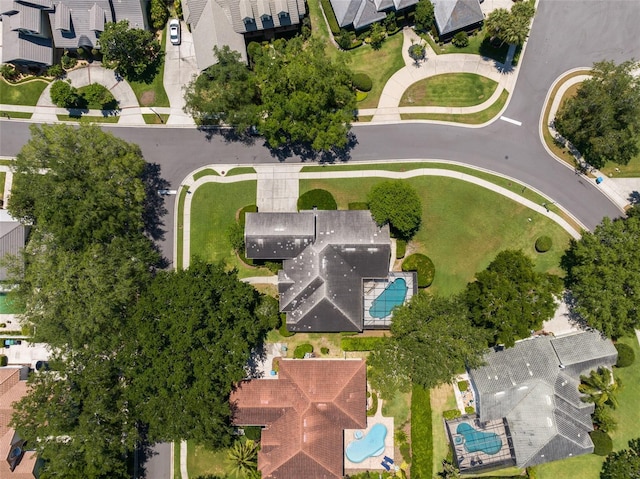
x=370 y=445
x=392 y=296
x=474 y=440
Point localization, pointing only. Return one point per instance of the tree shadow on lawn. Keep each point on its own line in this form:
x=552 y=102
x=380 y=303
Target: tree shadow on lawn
x=154 y=206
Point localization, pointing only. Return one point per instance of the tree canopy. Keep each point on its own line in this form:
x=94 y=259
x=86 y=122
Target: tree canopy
x=603 y=119
x=432 y=340
x=398 y=204
x=424 y=15
x=511 y=26
x=603 y=274
x=624 y=464
x=510 y=299
x=134 y=53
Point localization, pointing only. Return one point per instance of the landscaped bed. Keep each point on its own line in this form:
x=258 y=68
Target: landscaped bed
x=449 y=89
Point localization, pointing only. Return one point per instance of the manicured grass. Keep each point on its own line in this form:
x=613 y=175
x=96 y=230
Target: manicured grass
x=26 y=93
x=365 y=118
x=176 y=460
x=399 y=407
x=628 y=413
x=203 y=173
x=317 y=340
x=421 y=434
x=242 y=170
x=463 y=226
x=201 y=461
x=180 y=231
x=585 y=467
x=153 y=119
x=15 y=114
x=469 y=119
x=478 y=45
x=442 y=399
x=3 y=179
x=630 y=170
x=449 y=89
x=90 y=119
x=319 y=27
x=154 y=89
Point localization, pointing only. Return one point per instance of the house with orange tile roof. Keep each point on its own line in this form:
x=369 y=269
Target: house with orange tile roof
x=304 y=413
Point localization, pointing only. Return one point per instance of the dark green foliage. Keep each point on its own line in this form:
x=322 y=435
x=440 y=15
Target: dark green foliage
x=451 y=344
x=603 y=119
x=134 y=53
x=602 y=443
x=359 y=205
x=9 y=72
x=624 y=464
x=374 y=405
x=235 y=233
x=600 y=388
x=55 y=71
x=177 y=4
x=377 y=36
x=3 y=360
x=463 y=386
x=603 y=419
x=324 y=350
x=97 y=97
x=603 y=273
x=543 y=244
x=158 y=13
x=469 y=410
x=366 y=343
x=510 y=299
x=626 y=355
x=284 y=332
x=320 y=199
x=450 y=471
x=253 y=432
x=511 y=27
x=243 y=212
x=68 y=61
x=362 y=81
x=390 y=23
x=331 y=16
x=424 y=267
x=396 y=203
x=417 y=52
x=421 y=434
x=401 y=248
x=64 y=95
x=460 y=39
x=424 y=16
x=345 y=39
x=451 y=414
x=301 y=350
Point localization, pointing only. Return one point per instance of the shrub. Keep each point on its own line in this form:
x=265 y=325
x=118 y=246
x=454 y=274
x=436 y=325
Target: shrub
x=423 y=266
x=8 y=72
x=55 y=71
x=358 y=205
x=361 y=95
x=158 y=13
x=463 y=386
x=253 y=432
x=301 y=350
x=362 y=81
x=451 y=414
x=81 y=53
x=321 y=199
x=98 y=97
x=64 y=95
x=401 y=248
x=284 y=332
x=543 y=244
x=235 y=235
x=331 y=16
x=460 y=39
x=324 y=350
x=67 y=61
x=344 y=39
x=421 y=433
x=390 y=23
x=242 y=213
x=361 y=344
x=377 y=36
x=3 y=360
x=397 y=203
x=178 y=6
x=374 y=405
x=469 y=409
x=603 y=419
x=602 y=443
x=417 y=52
x=626 y=355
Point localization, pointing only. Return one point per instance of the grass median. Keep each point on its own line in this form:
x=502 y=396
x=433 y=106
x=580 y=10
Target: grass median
x=450 y=90
x=477 y=118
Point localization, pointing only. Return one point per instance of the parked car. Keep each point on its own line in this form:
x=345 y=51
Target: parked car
x=174 y=31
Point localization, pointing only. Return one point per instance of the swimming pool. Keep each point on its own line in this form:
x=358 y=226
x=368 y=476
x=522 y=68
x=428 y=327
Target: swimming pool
x=478 y=441
x=392 y=296
x=370 y=445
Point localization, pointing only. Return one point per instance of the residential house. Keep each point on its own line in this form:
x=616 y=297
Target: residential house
x=359 y=14
x=16 y=461
x=237 y=22
x=304 y=413
x=453 y=16
x=35 y=30
x=529 y=409
x=336 y=263
x=13 y=236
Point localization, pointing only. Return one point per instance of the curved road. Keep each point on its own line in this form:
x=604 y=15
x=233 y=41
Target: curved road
x=565 y=34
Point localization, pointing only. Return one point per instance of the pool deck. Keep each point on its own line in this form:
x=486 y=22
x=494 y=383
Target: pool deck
x=371 y=463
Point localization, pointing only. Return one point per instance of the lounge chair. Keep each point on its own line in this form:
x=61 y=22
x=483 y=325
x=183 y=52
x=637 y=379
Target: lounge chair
x=385 y=465
x=388 y=459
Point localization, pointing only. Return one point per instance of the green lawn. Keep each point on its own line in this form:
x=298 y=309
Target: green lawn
x=151 y=92
x=630 y=170
x=450 y=89
x=201 y=461
x=442 y=399
x=3 y=179
x=15 y=114
x=176 y=460
x=90 y=119
x=463 y=226
x=583 y=467
x=398 y=407
x=205 y=172
x=241 y=170
x=469 y=118
x=478 y=45
x=26 y=93
x=319 y=27
x=153 y=119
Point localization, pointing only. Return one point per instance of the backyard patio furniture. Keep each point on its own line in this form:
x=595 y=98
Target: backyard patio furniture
x=388 y=459
x=385 y=465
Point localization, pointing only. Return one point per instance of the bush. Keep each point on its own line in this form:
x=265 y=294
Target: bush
x=301 y=350
x=82 y=53
x=423 y=266
x=284 y=332
x=463 y=386
x=543 y=244
x=9 y=72
x=421 y=433
x=401 y=248
x=178 y=6
x=374 y=405
x=417 y=52
x=603 y=419
x=159 y=14
x=344 y=39
x=626 y=355
x=64 y=95
x=324 y=350
x=242 y=213
x=397 y=203
x=368 y=343
x=55 y=71
x=321 y=199
x=469 y=409
x=358 y=205
x=451 y=414
x=235 y=235
x=602 y=443
x=361 y=95
x=331 y=16
x=97 y=97
x=362 y=81
x=67 y=61
x=3 y=360
x=460 y=39
x=253 y=432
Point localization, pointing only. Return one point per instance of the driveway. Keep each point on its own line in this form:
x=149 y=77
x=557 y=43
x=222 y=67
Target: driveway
x=179 y=69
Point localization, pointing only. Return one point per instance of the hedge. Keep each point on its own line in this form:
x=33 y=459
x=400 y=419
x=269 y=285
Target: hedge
x=602 y=443
x=543 y=244
x=362 y=81
x=301 y=350
x=331 y=16
x=3 y=360
x=242 y=213
x=451 y=414
x=401 y=248
x=374 y=405
x=463 y=386
x=359 y=205
x=469 y=409
x=324 y=350
x=320 y=199
x=423 y=266
x=421 y=434
x=626 y=355
x=284 y=332
x=361 y=344
x=253 y=432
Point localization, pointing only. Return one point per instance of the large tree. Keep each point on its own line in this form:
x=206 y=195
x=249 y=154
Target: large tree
x=603 y=274
x=397 y=203
x=624 y=464
x=510 y=299
x=603 y=119
x=432 y=340
x=512 y=26
x=134 y=53
x=424 y=15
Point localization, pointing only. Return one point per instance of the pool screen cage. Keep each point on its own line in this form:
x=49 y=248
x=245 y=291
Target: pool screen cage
x=478 y=461
x=373 y=288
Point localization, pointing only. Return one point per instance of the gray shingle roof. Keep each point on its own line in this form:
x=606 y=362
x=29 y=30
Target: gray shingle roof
x=13 y=236
x=278 y=235
x=453 y=15
x=21 y=48
x=362 y=13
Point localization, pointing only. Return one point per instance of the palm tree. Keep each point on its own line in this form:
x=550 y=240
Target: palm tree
x=600 y=388
x=243 y=459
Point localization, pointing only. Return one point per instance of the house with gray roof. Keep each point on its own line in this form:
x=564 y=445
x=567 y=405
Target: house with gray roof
x=13 y=237
x=359 y=14
x=328 y=258
x=236 y=22
x=453 y=16
x=34 y=29
x=529 y=409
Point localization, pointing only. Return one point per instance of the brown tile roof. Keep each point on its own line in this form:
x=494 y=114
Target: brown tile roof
x=305 y=412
